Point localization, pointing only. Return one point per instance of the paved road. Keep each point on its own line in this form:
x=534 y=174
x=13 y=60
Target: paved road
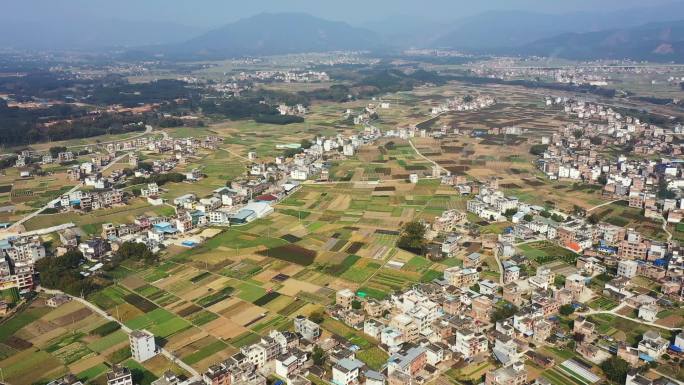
x=669 y=234
x=127 y=330
x=442 y=169
x=530 y=241
x=604 y=204
x=73 y=189
x=676 y=381
x=501 y=269
x=148 y=130
x=614 y=312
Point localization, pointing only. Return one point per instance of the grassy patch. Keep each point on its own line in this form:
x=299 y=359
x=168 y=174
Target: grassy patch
x=374 y=357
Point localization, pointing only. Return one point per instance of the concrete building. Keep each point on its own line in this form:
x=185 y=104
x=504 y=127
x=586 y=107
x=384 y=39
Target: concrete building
x=344 y=298
x=514 y=374
x=308 y=329
x=346 y=372
x=627 y=268
x=142 y=345
x=119 y=375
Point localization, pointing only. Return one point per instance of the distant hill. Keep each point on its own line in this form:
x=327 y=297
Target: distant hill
x=278 y=33
x=498 y=31
x=661 y=42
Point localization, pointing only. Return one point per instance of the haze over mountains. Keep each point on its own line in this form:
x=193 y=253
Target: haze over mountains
x=658 y=42
x=88 y=34
x=272 y=34
x=645 y=33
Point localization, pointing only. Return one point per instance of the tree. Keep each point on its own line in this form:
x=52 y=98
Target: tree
x=60 y=273
x=135 y=251
x=356 y=305
x=566 y=310
x=663 y=191
x=510 y=212
x=503 y=312
x=538 y=149
x=316 y=317
x=577 y=134
x=389 y=145
x=528 y=218
x=615 y=369
x=318 y=355
x=559 y=280
x=305 y=143
x=602 y=179
x=594 y=219
x=557 y=218
x=55 y=150
x=412 y=237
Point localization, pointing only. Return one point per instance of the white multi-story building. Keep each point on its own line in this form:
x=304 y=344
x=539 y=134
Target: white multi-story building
x=373 y=328
x=627 y=268
x=653 y=345
x=392 y=338
x=346 y=372
x=307 y=328
x=142 y=345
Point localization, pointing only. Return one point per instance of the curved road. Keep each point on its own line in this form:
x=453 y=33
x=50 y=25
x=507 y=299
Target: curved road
x=40 y=210
x=604 y=204
x=441 y=169
x=501 y=268
x=148 y=130
x=614 y=312
x=126 y=329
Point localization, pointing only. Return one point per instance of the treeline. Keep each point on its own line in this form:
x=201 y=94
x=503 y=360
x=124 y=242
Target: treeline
x=371 y=83
x=19 y=126
x=238 y=108
x=249 y=108
x=131 y=95
x=645 y=116
x=393 y=80
x=159 y=179
x=61 y=273
x=653 y=100
x=278 y=119
x=582 y=88
x=42 y=84
x=133 y=251
x=25 y=127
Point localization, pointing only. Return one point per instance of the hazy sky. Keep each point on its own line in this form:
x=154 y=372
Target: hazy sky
x=211 y=13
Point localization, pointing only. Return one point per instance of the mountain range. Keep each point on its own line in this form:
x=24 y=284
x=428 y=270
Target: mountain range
x=504 y=30
x=647 y=33
x=282 y=33
x=659 y=42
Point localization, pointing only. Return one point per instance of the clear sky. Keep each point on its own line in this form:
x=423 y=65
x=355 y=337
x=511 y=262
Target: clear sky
x=212 y=13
